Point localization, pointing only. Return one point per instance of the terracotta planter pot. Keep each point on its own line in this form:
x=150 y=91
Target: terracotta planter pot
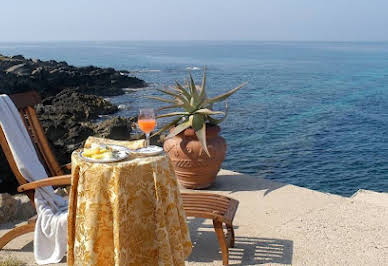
x=193 y=167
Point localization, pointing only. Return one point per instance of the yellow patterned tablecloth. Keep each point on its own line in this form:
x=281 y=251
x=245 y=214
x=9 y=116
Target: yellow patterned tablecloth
x=126 y=213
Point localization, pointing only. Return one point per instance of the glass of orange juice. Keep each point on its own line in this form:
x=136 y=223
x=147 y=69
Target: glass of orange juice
x=147 y=122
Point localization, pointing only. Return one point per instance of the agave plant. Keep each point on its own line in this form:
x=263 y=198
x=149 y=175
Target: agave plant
x=197 y=109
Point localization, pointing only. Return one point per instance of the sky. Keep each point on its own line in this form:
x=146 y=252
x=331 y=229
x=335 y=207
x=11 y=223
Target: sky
x=271 y=20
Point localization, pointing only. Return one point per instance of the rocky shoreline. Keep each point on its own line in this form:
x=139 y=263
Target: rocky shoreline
x=71 y=102
x=19 y=74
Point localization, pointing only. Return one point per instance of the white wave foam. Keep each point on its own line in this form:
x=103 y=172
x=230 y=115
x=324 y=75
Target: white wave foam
x=151 y=70
x=129 y=90
x=144 y=71
x=193 y=68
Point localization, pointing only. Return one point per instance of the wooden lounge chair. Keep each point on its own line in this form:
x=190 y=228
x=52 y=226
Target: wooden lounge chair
x=220 y=209
x=25 y=103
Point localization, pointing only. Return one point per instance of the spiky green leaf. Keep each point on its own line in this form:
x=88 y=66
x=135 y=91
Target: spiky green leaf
x=178 y=129
x=202 y=93
x=193 y=92
x=206 y=111
x=181 y=89
x=218 y=121
x=169 y=107
x=173 y=114
x=161 y=99
x=225 y=95
x=201 y=135
x=185 y=104
x=198 y=121
x=168 y=92
x=168 y=126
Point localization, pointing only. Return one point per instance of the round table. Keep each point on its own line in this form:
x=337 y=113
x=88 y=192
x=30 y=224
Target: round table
x=126 y=213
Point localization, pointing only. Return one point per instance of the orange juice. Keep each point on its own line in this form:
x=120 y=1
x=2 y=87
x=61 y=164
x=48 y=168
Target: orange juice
x=147 y=125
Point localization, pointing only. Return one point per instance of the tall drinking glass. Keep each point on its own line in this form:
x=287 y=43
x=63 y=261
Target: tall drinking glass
x=147 y=122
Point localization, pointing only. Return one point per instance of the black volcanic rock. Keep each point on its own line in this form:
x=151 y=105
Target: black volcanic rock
x=80 y=107
x=116 y=128
x=18 y=74
x=68 y=120
x=70 y=103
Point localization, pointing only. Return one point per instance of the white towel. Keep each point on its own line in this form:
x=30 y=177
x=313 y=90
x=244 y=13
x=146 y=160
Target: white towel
x=50 y=237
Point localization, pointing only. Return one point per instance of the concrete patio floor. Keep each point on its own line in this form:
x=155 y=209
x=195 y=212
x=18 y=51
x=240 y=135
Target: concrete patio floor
x=281 y=224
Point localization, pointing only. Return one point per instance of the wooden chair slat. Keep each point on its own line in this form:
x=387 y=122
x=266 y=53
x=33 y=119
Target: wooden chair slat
x=33 y=219
x=12 y=163
x=204 y=214
x=220 y=209
x=208 y=210
x=23 y=116
x=25 y=103
x=206 y=205
x=16 y=232
x=231 y=212
x=208 y=196
x=8 y=154
x=201 y=214
x=27 y=122
x=209 y=204
x=42 y=143
x=26 y=118
x=204 y=196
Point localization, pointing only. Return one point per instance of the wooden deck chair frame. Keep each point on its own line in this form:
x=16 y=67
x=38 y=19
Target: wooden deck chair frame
x=220 y=209
x=25 y=103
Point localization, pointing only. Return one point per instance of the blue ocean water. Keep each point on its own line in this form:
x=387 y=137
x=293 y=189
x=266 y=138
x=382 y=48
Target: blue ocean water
x=314 y=114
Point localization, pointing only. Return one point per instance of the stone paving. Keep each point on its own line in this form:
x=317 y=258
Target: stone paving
x=281 y=224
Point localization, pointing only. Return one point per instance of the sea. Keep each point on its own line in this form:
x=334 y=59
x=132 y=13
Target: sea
x=314 y=114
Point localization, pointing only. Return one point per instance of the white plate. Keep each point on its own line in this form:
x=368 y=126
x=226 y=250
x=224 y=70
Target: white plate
x=149 y=151
x=120 y=153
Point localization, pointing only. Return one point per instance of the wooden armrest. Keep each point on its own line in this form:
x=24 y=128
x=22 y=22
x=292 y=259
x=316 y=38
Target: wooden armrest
x=66 y=166
x=51 y=181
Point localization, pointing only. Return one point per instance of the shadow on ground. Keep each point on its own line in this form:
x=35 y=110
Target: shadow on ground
x=27 y=248
x=240 y=182
x=248 y=250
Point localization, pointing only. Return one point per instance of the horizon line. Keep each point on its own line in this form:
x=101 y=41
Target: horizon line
x=327 y=41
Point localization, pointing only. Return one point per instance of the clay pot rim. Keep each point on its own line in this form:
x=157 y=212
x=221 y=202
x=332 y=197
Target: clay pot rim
x=211 y=131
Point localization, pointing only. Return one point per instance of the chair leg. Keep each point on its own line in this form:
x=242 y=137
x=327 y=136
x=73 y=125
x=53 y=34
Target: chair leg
x=230 y=236
x=222 y=241
x=15 y=232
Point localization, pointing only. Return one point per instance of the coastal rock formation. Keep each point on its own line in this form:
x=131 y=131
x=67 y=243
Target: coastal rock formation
x=18 y=74
x=71 y=107
x=72 y=104
x=19 y=208
x=68 y=119
x=16 y=207
x=116 y=128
